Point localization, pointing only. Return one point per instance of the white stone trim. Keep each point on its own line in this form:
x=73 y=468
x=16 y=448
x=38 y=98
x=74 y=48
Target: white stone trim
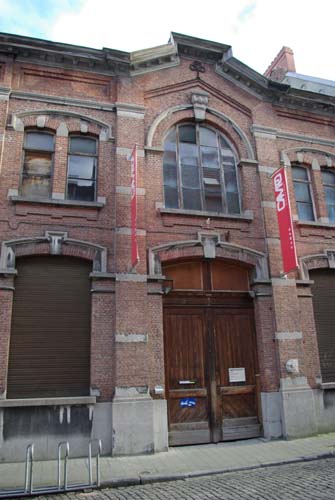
x=288 y=335
x=142 y=278
x=127 y=152
x=283 y=282
x=127 y=190
x=128 y=231
x=124 y=338
x=267 y=170
x=268 y=204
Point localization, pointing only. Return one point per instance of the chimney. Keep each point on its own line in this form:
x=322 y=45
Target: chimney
x=281 y=64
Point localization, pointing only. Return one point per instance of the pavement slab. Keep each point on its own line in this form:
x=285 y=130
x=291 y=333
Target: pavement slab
x=177 y=463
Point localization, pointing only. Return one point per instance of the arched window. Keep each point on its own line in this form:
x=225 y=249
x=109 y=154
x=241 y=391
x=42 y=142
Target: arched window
x=37 y=164
x=200 y=170
x=303 y=193
x=82 y=169
x=328 y=180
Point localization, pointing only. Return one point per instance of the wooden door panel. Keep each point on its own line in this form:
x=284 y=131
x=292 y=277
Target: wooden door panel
x=234 y=342
x=186 y=375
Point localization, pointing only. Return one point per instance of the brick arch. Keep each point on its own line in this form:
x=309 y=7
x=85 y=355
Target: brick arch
x=207 y=245
x=61 y=121
x=309 y=156
x=176 y=114
x=52 y=243
x=316 y=261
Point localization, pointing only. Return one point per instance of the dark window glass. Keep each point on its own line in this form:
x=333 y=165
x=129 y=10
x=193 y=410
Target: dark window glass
x=37 y=165
x=302 y=191
x=82 y=169
x=83 y=145
x=38 y=140
x=187 y=134
x=328 y=179
x=200 y=170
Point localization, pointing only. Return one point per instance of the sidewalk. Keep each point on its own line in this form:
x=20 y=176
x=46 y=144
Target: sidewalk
x=177 y=463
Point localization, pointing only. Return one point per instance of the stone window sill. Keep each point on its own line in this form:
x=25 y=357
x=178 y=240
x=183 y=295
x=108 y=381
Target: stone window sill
x=66 y=401
x=326 y=225
x=52 y=201
x=246 y=216
x=327 y=385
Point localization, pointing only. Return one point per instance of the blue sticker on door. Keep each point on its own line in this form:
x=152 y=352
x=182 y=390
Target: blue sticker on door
x=187 y=402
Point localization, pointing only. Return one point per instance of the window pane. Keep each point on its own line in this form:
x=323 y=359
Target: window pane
x=225 y=146
x=37 y=140
x=187 y=133
x=209 y=157
x=305 y=211
x=188 y=154
x=171 y=137
x=328 y=177
x=302 y=192
x=213 y=199
x=233 y=203
x=192 y=199
x=38 y=187
x=82 y=167
x=83 y=145
x=190 y=176
x=230 y=180
x=171 y=197
x=331 y=213
x=299 y=173
x=207 y=137
x=37 y=163
x=210 y=173
x=330 y=195
x=80 y=190
x=170 y=175
x=169 y=158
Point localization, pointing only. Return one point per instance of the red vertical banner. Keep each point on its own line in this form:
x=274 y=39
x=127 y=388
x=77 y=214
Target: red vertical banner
x=286 y=232
x=133 y=207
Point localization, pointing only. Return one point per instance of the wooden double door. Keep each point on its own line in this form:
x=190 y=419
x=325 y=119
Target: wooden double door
x=211 y=368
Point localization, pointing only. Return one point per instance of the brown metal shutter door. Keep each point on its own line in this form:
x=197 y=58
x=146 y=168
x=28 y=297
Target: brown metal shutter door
x=324 y=315
x=50 y=339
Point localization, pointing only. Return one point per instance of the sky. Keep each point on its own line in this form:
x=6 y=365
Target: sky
x=256 y=29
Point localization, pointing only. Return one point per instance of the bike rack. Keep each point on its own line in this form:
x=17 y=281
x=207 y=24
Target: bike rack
x=62 y=479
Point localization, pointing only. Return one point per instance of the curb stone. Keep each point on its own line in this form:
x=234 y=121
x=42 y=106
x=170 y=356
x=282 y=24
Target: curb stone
x=142 y=479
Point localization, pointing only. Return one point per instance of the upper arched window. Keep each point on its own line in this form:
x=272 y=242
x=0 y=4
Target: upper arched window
x=82 y=169
x=328 y=180
x=37 y=164
x=200 y=170
x=303 y=193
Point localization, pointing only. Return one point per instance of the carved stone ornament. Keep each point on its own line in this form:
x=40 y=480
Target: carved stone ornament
x=200 y=103
x=292 y=366
x=198 y=67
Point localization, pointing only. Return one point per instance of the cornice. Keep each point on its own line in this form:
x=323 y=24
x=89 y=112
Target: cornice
x=47 y=53
x=114 y=62
x=197 y=48
x=277 y=93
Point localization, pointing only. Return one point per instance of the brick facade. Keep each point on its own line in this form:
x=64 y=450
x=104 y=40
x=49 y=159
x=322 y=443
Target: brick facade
x=122 y=99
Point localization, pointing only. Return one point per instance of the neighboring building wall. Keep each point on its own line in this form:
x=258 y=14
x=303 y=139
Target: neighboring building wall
x=128 y=101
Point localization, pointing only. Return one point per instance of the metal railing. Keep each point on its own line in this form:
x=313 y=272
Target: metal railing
x=63 y=483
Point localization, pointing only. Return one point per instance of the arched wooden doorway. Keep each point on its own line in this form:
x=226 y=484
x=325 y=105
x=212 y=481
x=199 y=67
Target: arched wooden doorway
x=210 y=353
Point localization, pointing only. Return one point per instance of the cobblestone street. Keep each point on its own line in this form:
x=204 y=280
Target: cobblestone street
x=314 y=480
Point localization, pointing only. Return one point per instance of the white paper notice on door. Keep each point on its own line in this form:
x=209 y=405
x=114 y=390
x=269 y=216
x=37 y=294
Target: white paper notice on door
x=236 y=374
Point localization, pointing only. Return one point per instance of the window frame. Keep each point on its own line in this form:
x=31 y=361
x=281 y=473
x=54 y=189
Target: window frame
x=200 y=167
x=85 y=155
x=309 y=183
x=26 y=149
x=332 y=186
